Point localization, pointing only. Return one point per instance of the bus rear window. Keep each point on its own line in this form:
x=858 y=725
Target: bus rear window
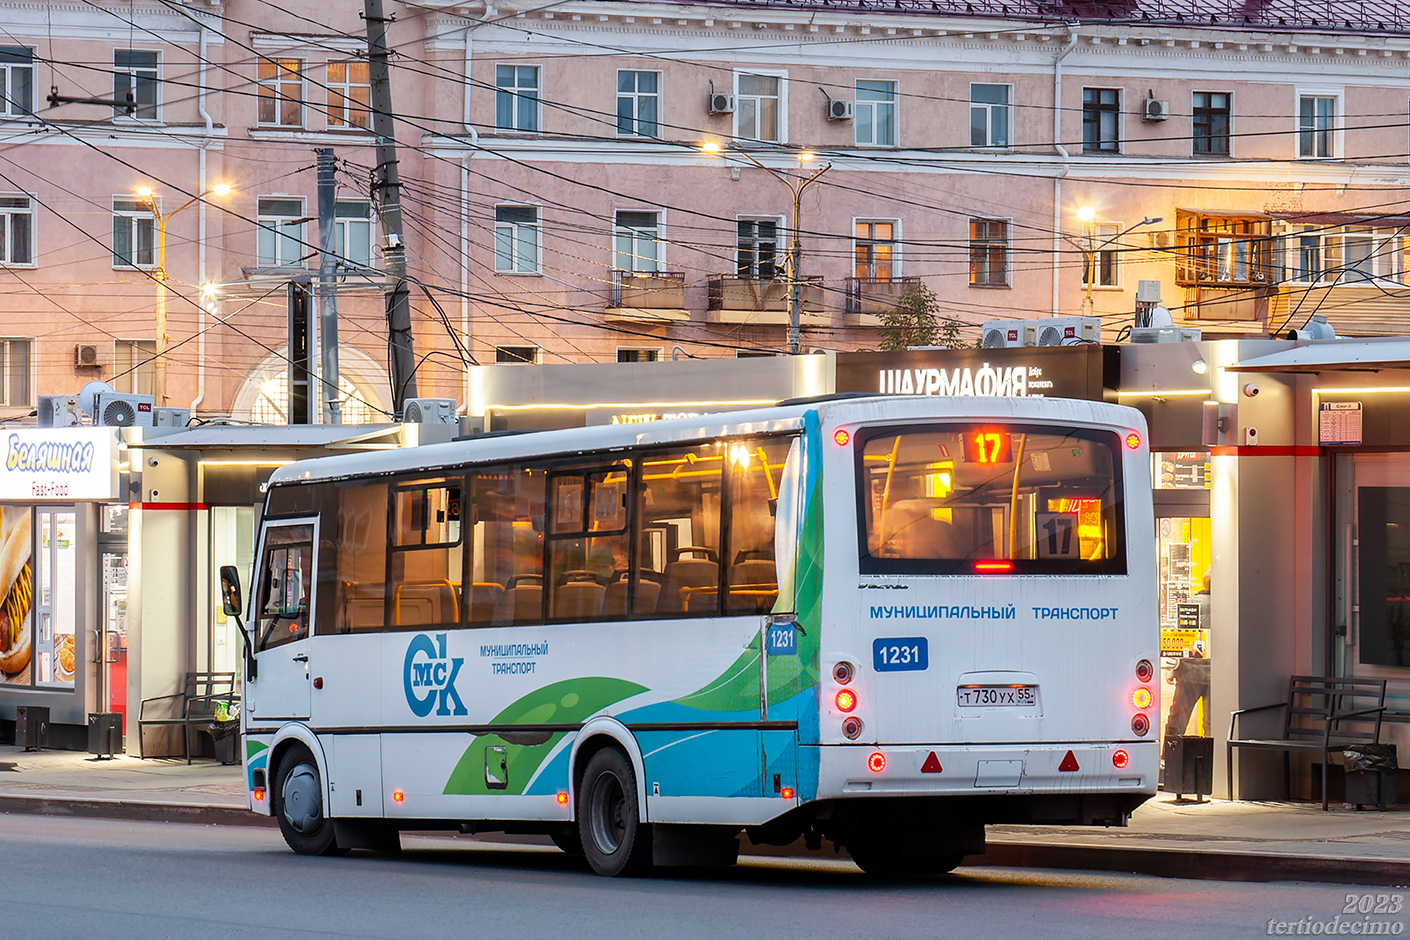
x=945 y=498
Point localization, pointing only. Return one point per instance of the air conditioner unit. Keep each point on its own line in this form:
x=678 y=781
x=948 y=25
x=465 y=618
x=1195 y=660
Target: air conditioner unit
x=429 y=411
x=116 y=410
x=1068 y=331
x=59 y=411
x=1164 y=334
x=89 y=357
x=1005 y=334
x=721 y=104
x=171 y=417
x=839 y=110
x=1153 y=109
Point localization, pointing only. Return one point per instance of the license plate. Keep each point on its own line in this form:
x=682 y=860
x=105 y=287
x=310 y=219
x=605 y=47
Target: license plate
x=984 y=696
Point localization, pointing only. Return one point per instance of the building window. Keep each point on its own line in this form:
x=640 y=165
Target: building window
x=352 y=232
x=988 y=115
x=988 y=253
x=1222 y=251
x=1211 y=123
x=16 y=81
x=521 y=355
x=280 y=242
x=516 y=239
x=1103 y=254
x=874 y=250
x=1101 y=120
x=15 y=358
x=135 y=82
x=16 y=230
x=633 y=354
x=875 y=121
x=757 y=248
x=516 y=99
x=134 y=366
x=1316 y=124
x=1348 y=256
x=134 y=234
x=349 y=95
x=280 y=89
x=757 y=107
x=637 y=242
x=638 y=104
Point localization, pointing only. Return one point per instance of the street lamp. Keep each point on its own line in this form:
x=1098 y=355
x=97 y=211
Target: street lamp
x=146 y=193
x=1085 y=215
x=796 y=185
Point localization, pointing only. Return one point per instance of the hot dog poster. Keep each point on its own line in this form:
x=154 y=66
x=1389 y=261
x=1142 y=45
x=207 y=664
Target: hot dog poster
x=17 y=604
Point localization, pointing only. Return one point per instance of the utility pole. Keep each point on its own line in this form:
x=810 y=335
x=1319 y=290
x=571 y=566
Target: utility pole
x=389 y=205
x=328 y=288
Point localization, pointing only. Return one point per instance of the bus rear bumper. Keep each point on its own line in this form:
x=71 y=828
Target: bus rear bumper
x=851 y=771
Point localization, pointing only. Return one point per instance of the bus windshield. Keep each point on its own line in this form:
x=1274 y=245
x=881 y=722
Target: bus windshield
x=974 y=497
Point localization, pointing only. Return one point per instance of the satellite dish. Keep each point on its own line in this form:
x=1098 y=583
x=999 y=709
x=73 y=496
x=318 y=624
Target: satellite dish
x=87 y=399
x=1159 y=316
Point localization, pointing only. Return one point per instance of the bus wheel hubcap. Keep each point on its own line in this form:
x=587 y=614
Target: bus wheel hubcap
x=303 y=799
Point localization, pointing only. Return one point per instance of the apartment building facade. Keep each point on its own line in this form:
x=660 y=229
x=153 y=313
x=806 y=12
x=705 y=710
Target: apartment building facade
x=600 y=181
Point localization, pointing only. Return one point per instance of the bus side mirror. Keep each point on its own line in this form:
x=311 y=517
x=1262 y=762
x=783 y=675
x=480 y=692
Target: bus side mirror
x=230 y=591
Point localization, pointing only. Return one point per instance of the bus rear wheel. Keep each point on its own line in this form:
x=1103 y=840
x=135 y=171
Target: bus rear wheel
x=299 y=805
x=615 y=840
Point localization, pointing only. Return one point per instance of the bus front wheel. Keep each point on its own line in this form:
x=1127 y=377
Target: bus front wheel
x=299 y=807
x=615 y=840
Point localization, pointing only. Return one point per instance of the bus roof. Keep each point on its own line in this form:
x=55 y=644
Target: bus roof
x=774 y=420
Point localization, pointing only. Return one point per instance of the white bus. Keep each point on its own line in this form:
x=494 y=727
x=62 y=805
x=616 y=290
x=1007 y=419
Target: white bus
x=885 y=622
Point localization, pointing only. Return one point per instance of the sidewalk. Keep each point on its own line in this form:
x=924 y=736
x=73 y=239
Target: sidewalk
x=1215 y=840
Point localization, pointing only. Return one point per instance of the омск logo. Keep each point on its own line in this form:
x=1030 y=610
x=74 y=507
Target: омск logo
x=429 y=677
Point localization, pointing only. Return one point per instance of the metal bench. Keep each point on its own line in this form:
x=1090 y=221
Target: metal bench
x=1322 y=715
x=191 y=709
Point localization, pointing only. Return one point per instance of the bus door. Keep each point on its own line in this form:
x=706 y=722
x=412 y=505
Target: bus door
x=283 y=602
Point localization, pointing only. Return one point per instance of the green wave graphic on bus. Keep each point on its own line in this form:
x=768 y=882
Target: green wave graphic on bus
x=569 y=702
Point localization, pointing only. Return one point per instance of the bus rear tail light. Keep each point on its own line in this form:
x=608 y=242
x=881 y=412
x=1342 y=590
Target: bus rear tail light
x=842 y=672
x=851 y=727
x=259 y=794
x=841 y=437
x=1140 y=724
x=1133 y=440
x=997 y=566
x=1119 y=759
x=1141 y=698
x=1144 y=670
x=876 y=763
x=786 y=793
x=846 y=700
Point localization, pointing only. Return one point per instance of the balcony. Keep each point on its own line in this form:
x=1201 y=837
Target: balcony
x=647 y=298
x=869 y=297
x=758 y=301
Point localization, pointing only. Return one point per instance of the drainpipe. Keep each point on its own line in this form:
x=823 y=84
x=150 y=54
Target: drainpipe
x=201 y=233
x=1062 y=152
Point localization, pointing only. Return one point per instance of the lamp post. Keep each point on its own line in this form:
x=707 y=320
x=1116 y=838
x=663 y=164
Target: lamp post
x=146 y=193
x=1085 y=215
x=795 y=185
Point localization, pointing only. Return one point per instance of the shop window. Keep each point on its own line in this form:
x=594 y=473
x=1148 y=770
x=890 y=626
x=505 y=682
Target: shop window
x=37 y=646
x=1222 y=251
x=1383 y=532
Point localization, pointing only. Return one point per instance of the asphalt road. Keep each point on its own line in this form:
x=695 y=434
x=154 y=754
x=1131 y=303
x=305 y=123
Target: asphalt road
x=70 y=878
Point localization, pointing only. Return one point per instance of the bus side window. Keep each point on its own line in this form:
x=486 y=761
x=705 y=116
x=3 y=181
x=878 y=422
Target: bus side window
x=755 y=470
x=426 y=557
x=588 y=542
x=679 y=503
x=505 y=540
x=361 y=590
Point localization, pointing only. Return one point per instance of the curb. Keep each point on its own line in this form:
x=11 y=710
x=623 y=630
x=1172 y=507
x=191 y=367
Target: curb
x=1202 y=865
x=134 y=810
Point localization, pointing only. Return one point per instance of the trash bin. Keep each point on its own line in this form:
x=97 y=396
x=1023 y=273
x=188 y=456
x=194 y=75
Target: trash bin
x=104 y=733
x=1370 y=774
x=1189 y=765
x=226 y=736
x=32 y=726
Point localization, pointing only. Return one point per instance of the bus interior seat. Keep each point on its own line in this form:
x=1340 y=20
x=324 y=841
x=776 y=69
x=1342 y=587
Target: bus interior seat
x=683 y=574
x=578 y=600
x=648 y=594
x=425 y=602
x=485 y=597
x=753 y=571
x=522 y=601
x=364 y=606
x=910 y=530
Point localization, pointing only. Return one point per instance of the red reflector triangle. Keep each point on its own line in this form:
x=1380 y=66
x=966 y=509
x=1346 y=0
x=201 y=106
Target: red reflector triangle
x=1069 y=762
x=931 y=765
